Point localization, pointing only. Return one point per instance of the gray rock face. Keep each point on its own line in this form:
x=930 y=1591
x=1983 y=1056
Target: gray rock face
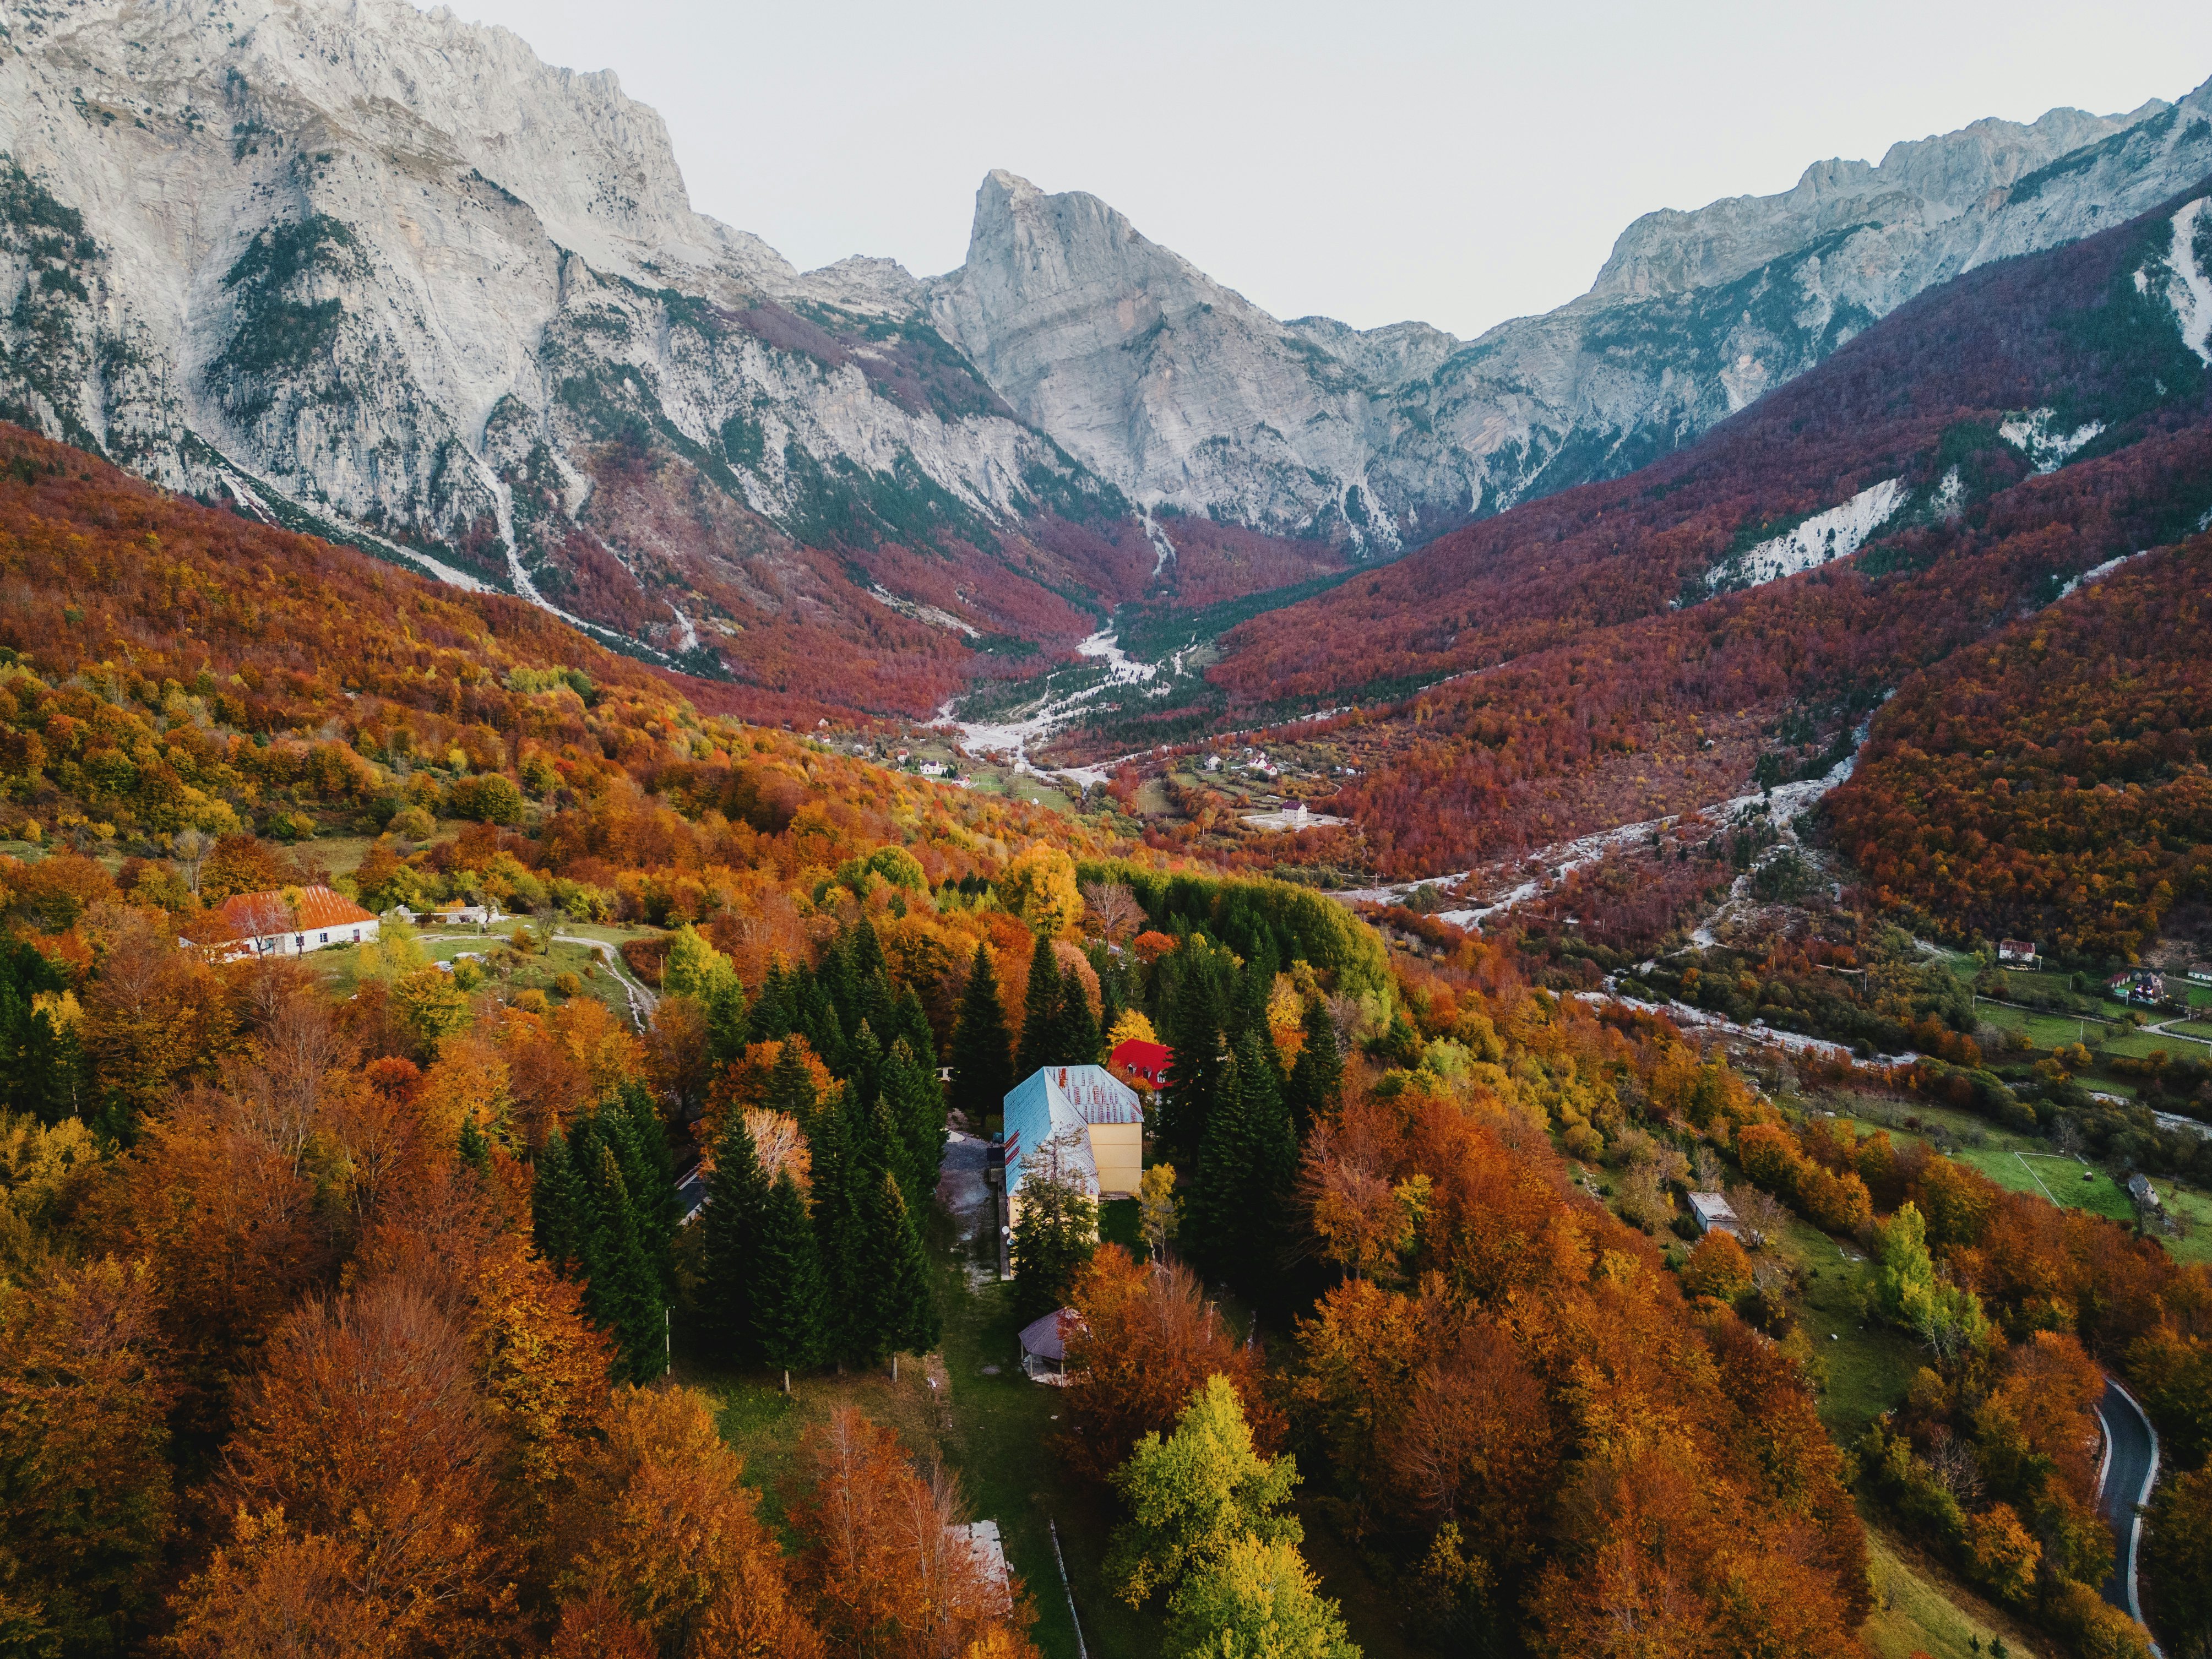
x=395 y=269
x=1184 y=393
x=382 y=270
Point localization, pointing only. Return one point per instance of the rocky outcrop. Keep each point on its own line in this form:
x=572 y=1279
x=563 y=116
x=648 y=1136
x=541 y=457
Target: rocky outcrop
x=389 y=275
x=1185 y=394
x=383 y=274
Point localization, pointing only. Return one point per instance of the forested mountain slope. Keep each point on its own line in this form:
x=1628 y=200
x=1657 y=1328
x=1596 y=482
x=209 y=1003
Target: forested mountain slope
x=1997 y=376
x=384 y=275
x=1182 y=391
x=1635 y=649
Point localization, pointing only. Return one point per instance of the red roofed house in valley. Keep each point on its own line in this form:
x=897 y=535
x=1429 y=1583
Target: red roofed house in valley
x=1146 y=1061
x=290 y=923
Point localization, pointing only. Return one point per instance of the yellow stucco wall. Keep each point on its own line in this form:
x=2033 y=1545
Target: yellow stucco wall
x=1118 y=1149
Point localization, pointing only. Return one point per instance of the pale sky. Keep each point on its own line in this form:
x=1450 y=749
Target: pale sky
x=1459 y=164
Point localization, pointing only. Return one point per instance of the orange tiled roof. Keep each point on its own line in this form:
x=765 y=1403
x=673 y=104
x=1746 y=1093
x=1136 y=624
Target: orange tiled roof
x=256 y=916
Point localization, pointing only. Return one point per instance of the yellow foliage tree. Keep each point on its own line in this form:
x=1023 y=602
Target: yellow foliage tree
x=1039 y=887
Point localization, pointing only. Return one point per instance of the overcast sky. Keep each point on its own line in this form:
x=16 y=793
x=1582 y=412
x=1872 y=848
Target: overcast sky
x=1457 y=163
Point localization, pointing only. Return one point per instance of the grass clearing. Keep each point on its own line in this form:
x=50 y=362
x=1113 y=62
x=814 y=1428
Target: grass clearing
x=1867 y=1365
x=1919 y=1607
x=2044 y=1031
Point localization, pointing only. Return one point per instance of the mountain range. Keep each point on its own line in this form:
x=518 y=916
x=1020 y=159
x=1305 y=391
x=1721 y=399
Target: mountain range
x=386 y=276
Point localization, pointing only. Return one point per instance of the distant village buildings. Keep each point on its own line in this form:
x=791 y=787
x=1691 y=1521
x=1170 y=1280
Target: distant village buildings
x=2139 y=987
x=2016 y=952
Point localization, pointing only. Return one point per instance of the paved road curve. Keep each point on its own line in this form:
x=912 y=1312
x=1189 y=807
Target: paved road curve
x=2131 y=1466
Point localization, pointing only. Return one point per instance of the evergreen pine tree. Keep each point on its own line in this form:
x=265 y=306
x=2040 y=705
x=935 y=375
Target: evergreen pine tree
x=733 y=1226
x=866 y=952
x=1212 y=1218
x=1270 y=1165
x=864 y=1061
x=1193 y=1007
x=982 y=1072
x=1111 y=1002
x=622 y=1292
x=1079 y=1041
x=772 y=1017
x=650 y=1167
x=558 y=1218
x=728 y=1021
x=791 y=1086
x=1317 y=1079
x=836 y=1224
x=898 y=1308
x=817 y=1018
x=789 y=1301
x=475 y=1147
x=1041 y=1033
x=918 y=1105
x=910 y=1021
x=839 y=983
x=1056 y=1233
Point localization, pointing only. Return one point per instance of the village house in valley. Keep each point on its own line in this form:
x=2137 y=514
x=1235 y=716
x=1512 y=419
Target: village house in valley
x=280 y=923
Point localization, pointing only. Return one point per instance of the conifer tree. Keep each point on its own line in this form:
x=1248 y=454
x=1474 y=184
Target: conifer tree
x=1193 y=1007
x=733 y=1226
x=1317 y=1082
x=1211 y=1220
x=981 y=1067
x=558 y=1217
x=836 y=1189
x=791 y=1086
x=650 y=1167
x=918 y=1106
x=622 y=1292
x=1271 y=1162
x=1041 y=1033
x=818 y=1018
x=839 y=983
x=728 y=1021
x=898 y=1307
x=1079 y=1041
x=910 y=1021
x=789 y=1302
x=474 y=1146
x=772 y=1019
x=1055 y=1233
x=866 y=952
x=864 y=1061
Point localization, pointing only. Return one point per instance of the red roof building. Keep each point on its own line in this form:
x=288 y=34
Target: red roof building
x=1147 y=1061
x=280 y=923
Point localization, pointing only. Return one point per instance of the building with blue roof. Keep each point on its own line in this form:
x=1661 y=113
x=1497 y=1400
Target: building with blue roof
x=1081 y=1118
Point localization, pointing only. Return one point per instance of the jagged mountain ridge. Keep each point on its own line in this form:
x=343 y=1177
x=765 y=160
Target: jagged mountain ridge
x=374 y=265
x=1185 y=394
x=389 y=275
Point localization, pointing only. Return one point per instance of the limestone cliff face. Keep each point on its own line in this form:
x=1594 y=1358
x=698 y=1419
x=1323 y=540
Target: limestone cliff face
x=344 y=258
x=382 y=273
x=1183 y=393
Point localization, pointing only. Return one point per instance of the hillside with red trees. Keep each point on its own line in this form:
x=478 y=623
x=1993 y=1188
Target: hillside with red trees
x=1922 y=391
x=2055 y=783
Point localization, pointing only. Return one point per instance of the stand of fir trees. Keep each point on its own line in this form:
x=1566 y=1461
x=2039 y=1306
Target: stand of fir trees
x=603 y=1210
x=829 y=1269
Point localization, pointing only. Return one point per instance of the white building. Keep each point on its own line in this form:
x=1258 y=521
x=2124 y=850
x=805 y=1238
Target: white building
x=280 y=923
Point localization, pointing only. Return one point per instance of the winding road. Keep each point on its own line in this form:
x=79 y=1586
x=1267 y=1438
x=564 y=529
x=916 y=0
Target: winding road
x=2131 y=1466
